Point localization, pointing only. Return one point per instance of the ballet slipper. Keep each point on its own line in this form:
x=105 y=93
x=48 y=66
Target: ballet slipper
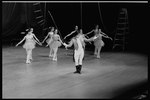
x=54 y=59
x=98 y=57
x=95 y=53
x=31 y=58
x=28 y=62
x=50 y=55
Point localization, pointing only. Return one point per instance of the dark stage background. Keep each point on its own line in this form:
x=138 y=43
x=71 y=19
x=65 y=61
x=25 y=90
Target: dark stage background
x=16 y=17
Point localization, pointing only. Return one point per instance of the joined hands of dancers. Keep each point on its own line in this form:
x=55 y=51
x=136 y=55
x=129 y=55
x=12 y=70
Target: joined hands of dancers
x=54 y=41
x=93 y=38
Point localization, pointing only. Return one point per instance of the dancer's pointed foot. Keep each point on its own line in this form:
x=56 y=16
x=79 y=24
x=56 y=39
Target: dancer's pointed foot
x=54 y=59
x=31 y=58
x=95 y=53
x=50 y=55
x=98 y=57
x=28 y=62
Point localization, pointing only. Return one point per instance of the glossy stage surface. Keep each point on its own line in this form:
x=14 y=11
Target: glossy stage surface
x=108 y=77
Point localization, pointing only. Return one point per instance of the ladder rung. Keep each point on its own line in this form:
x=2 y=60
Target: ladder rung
x=39 y=17
x=122 y=13
x=40 y=21
x=119 y=34
x=37 y=11
x=122 y=23
x=36 y=3
x=42 y=24
x=119 y=39
x=123 y=17
x=45 y=29
x=121 y=28
x=118 y=44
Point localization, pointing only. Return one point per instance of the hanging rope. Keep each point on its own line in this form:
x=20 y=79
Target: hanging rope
x=102 y=20
x=81 y=13
x=56 y=25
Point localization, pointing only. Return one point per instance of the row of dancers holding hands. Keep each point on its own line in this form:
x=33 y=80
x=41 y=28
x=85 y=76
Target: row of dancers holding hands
x=54 y=41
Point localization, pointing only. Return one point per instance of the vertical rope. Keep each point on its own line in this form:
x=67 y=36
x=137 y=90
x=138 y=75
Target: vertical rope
x=44 y=19
x=102 y=19
x=81 y=13
x=56 y=25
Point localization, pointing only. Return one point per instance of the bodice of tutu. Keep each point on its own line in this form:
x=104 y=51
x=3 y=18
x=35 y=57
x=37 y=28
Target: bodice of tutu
x=29 y=38
x=99 y=37
x=50 y=34
x=96 y=31
x=29 y=44
x=55 y=37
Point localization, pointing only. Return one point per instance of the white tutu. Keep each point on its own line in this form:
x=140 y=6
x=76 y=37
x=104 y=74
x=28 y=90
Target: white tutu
x=99 y=43
x=29 y=45
x=49 y=40
x=55 y=44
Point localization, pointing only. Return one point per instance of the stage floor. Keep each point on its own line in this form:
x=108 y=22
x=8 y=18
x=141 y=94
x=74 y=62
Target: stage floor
x=105 y=78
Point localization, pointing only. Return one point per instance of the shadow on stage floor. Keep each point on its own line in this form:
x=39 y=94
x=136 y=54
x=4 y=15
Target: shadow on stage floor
x=112 y=76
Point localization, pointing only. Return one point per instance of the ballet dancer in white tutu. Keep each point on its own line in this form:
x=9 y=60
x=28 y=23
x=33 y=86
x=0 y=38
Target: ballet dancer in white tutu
x=98 y=43
x=49 y=40
x=55 y=43
x=29 y=45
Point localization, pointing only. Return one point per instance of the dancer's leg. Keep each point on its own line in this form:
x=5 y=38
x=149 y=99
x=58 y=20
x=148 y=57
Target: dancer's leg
x=31 y=55
x=50 y=53
x=55 y=54
x=51 y=50
x=95 y=51
x=80 y=61
x=28 y=56
x=81 y=56
x=99 y=50
x=76 y=58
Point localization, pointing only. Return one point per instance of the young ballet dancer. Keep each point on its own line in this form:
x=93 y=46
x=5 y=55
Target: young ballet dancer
x=29 y=45
x=55 y=43
x=79 y=45
x=98 y=43
x=49 y=40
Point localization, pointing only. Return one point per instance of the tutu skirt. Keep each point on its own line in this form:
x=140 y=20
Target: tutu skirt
x=29 y=45
x=99 y=43
x=55 y=44
x=47 y=41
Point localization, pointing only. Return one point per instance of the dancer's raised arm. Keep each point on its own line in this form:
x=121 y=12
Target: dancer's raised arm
x=21 y=41
x=69 y=34
x=105 y=35
x=89 y=33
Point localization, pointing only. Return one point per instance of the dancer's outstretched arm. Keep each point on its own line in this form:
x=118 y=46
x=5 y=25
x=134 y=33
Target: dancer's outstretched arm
x=89 y=33
x=45 y=38
x=37 y=42
x=21 y=41
x=60 y=39
x=106 y=36
x=36 y=38
x=68 y=45
x=69 y=34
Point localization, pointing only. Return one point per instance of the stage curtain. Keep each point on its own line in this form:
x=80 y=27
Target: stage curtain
x=15 y=15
